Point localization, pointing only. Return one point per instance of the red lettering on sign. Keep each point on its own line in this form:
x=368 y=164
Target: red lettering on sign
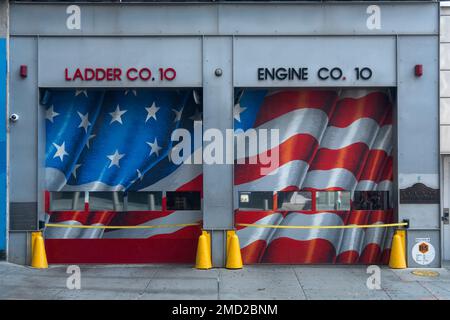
x=77 y=75
x=109 y=74
x=100 y=74
x=115 y=74
x=89 y=74
x=129 y=76
x=145 y=74
x=66 y=73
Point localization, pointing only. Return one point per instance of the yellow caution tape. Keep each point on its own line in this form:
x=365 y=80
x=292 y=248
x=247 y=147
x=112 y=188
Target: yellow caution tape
x=56 y=225
x=60 y=225
x=323 y=227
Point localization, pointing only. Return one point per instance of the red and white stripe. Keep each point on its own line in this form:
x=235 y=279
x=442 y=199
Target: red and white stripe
x=176 y=217
x=378 y=156
x=305 y=245
x=350 y=149
x=254 y=240
x=345 y=146
x=374 y=237
x=301 y=116
x=352 y=240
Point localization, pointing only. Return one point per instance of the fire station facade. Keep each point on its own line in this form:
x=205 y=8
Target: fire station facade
x=127 y=119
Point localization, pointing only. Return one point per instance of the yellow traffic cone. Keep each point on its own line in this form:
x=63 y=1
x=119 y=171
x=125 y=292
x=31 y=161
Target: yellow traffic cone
x=229 y=234
x=203 y=260
x=234 y=259
x=39 y=258
x=208 y=239
x=33 y=238
x=402 y=234
x=397 y=259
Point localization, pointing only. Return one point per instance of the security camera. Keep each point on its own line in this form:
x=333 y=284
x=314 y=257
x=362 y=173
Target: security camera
x=14 y=117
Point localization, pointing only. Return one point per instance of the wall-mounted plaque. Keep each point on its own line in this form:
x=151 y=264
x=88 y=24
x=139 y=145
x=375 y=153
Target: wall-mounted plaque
x=419 y=193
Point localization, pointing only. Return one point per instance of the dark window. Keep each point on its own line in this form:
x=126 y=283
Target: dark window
x=144 y=201
x=106 y=201
x=256 y=200
x=297 y=200
x=183 y=200
x=371 y=200
x=67 y=201
x=333 y=200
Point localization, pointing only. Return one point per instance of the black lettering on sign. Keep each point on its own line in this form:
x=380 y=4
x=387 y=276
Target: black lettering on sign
x=282 y=73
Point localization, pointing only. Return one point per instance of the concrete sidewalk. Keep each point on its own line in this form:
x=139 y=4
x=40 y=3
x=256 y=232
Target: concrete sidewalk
x=253 y=282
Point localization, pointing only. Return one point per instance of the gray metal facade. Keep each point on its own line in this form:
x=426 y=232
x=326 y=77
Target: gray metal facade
x=445 y=80
x=237 y=38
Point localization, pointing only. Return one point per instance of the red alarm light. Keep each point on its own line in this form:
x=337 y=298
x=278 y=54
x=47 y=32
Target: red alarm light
x=418 y=70
x=23 y=71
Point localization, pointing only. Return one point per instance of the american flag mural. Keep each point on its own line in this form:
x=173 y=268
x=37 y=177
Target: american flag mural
x=329 y=140
x=119 y=140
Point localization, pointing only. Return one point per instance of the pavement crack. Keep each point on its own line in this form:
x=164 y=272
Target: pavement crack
x=56 y=295
x=148 y=283
x=432 y=294
x=300 y=284
x=387 y=293
x=396 y=274
x=218 y=284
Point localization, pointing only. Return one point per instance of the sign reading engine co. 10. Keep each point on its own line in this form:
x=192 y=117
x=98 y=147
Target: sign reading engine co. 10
x=303 y=73
x=345 y=61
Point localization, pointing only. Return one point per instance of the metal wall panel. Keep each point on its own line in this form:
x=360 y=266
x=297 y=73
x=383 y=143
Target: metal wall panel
x=218 y=115
x=418 y=236
x=445 y=80
x=445 y=125
x=23 y=133
x=346 y=53
x=445 y=56
x=225 y=19
x=422 y=215
x=445 y=142
x=181 y=54
x=445 y=110
x=19 y=248
x=445 y=84
x=417 y=129
x=113 y=19
x=335 y=18
x=418 y=105
x=445 y=26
